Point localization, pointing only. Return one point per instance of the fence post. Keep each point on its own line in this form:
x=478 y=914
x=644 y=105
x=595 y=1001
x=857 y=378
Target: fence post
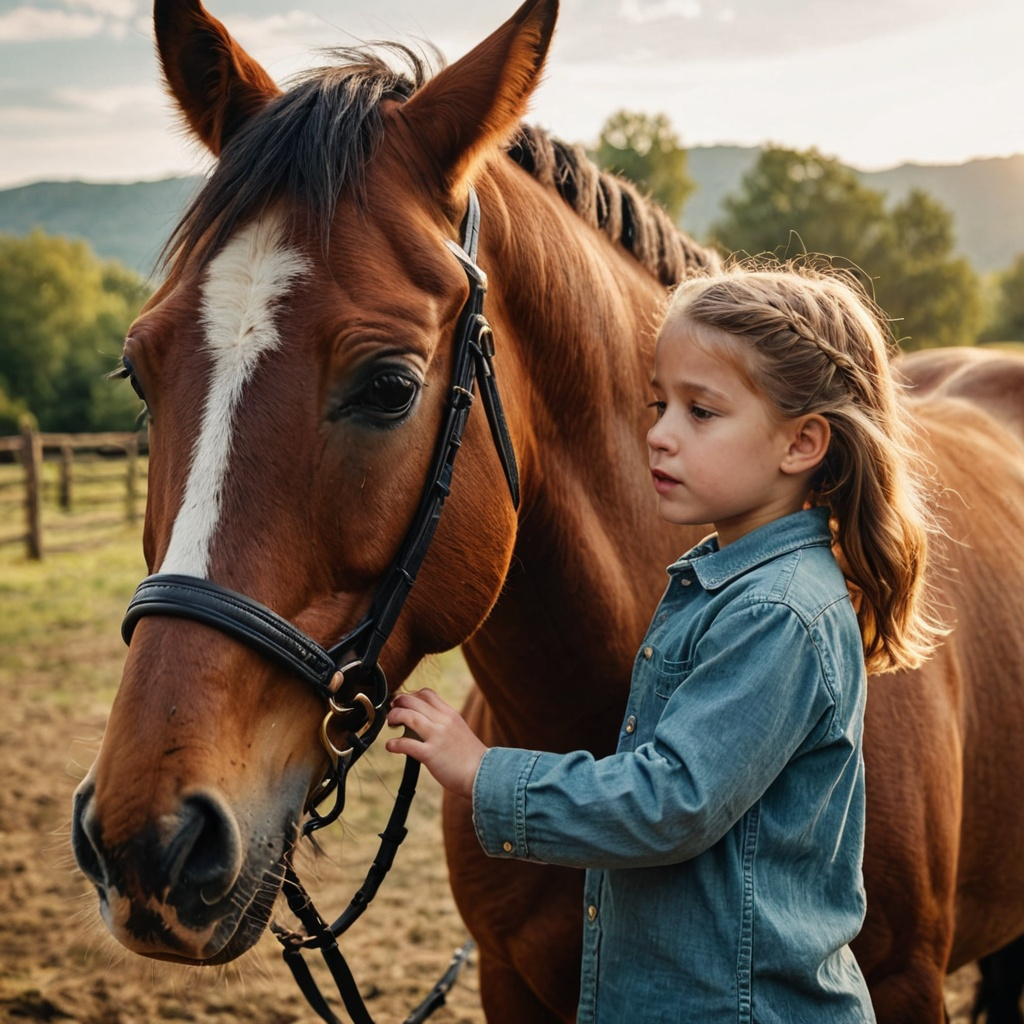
x=131 y=479
x=32 y=458
x=67 y=461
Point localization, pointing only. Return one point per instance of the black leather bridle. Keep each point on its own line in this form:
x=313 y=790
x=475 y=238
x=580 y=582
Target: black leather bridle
x=347 y=675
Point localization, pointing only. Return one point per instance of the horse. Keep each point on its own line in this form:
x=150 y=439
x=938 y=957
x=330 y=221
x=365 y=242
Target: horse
x=297 y=364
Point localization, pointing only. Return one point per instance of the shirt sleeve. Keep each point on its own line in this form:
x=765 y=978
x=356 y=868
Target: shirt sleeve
x=755 y=694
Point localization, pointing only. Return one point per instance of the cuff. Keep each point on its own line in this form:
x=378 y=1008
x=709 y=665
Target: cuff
x=499 y=801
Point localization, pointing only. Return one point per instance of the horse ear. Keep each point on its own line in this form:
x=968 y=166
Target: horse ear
x=480 y=100
x=216 y=84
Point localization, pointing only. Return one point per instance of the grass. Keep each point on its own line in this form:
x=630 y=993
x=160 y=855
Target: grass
x=59 y=617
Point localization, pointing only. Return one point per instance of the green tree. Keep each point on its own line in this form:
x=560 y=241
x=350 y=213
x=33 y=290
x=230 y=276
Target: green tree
x=645 y=149
x=1008 y=322
x=920 y=279
x=11 y=415
x=793 y=202
x=63 y=316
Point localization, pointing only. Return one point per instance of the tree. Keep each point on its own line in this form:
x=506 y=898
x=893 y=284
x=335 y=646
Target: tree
x=919 y=278
x=63 y=316
x=793 y=202
x=645 y=149
x=1008 y=322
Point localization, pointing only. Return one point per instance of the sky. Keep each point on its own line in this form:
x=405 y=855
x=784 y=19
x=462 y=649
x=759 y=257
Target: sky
x=875 y=83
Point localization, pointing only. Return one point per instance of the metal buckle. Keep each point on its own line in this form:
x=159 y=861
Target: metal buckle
x=337 y=710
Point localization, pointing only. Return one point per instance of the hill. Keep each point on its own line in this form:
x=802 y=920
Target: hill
x=986 y=197
x=131 y=222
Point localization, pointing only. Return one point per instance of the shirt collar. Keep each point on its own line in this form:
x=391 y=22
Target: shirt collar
x=716 y=566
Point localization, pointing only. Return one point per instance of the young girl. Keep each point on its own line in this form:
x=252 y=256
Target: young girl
x=724 y=838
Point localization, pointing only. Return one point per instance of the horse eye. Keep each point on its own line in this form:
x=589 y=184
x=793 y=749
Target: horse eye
x=390 y=395
x=127 y=371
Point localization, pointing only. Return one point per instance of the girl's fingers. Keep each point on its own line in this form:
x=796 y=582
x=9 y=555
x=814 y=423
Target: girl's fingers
x=409 y=717
x=426 y=703
x=435 y=700
x=401 y=745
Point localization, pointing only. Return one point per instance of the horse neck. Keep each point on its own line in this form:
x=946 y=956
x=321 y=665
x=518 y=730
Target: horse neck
x=577 y=316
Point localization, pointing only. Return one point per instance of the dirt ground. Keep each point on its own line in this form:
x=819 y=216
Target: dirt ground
x=57 y=962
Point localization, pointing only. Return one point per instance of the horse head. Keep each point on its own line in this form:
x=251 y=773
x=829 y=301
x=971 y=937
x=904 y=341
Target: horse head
x=297 y=367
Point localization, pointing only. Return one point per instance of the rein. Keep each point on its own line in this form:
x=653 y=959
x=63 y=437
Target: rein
x=347 y=675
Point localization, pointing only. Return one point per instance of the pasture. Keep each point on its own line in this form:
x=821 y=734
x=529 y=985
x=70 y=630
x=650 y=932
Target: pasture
x=60 y=660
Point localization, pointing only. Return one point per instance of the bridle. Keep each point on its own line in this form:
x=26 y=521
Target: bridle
x=347 y=675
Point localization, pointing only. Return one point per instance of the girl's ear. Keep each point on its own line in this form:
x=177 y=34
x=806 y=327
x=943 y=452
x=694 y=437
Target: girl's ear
x=216 y=84
x=808 y=444
x=477 y=103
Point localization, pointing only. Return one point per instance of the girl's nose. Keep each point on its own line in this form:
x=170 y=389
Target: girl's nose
x=657 y=439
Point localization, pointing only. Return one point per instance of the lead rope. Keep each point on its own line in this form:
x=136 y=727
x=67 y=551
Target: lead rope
x=317 y=934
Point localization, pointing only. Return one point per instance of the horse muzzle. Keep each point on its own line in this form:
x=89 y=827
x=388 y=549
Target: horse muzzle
x=185 y=886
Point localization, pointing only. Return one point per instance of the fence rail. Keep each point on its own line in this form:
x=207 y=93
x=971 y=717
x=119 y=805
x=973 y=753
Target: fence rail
x=71 y=486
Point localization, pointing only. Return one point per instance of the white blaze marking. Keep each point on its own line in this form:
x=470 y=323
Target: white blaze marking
x=243 y=283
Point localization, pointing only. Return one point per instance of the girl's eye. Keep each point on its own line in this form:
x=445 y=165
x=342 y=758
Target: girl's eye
x=658 y=407
x=700 y=413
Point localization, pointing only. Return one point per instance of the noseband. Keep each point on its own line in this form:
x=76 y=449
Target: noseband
x=347 y=675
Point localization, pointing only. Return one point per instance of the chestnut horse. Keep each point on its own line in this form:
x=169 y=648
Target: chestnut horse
x=296 y=364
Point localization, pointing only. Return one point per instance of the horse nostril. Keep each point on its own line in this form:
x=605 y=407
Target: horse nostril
x=204 y=857
x=85 y=841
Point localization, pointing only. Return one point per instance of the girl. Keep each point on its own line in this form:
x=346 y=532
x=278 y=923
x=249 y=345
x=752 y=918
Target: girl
x=724 y=838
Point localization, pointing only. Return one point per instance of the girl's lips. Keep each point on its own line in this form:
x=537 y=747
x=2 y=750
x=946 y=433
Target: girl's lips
x=663 y=483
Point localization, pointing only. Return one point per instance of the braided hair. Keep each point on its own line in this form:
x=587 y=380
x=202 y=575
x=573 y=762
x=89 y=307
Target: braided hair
x=810 y=340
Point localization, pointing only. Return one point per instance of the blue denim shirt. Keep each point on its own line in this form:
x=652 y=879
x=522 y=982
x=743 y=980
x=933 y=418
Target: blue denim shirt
x=724 y=838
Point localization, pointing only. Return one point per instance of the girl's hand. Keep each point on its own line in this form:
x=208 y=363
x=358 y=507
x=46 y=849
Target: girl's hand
x=438 y=737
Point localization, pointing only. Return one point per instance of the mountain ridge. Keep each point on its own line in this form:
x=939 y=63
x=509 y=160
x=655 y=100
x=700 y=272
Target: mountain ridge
x=131 y=221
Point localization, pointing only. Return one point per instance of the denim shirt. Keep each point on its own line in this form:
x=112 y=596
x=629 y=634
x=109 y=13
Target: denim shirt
x=724 y=838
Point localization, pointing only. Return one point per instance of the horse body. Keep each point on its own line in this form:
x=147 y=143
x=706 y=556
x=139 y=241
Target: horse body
x=942 y=759
x=294 y=364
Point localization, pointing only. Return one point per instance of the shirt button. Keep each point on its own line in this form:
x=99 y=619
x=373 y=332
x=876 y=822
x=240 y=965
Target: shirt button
x=591 y=912
x=507 y=846
x=630 y=723
x=685 y=582
x=648 y=651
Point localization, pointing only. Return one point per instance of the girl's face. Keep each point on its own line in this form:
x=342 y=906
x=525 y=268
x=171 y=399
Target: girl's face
x=719 y=452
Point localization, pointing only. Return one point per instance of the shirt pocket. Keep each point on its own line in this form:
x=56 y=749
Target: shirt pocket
x=659 y=672
x=669 y=676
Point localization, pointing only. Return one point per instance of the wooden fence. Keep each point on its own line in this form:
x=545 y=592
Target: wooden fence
x=69 y=487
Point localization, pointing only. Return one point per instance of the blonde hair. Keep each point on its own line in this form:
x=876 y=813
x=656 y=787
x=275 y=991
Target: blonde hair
x=814 y=342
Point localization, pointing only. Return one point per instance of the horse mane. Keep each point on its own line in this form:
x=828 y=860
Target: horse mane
x=313 y=140
x=613 y=205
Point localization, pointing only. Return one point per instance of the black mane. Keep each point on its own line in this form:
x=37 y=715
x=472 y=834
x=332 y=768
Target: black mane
x=612 y=205
x=315 y=138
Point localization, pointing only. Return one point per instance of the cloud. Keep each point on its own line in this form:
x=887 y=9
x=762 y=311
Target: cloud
x=643 y=13
x=635 y=31
x=66 y=20
x=120 y=9
x=269 y=31
x=113 y=100
x=33 y=24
